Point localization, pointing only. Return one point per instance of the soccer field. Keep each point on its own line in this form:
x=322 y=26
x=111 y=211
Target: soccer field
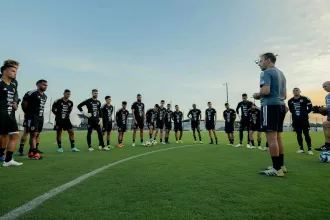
x=198 y=181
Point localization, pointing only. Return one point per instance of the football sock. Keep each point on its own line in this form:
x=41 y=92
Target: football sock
x=9 y=156
x=72 y=143
x=59 y=144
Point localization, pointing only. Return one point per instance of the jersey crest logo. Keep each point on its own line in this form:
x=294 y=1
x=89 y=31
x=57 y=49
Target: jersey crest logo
x=301 y=100
x=32 y=128
x=69 y=104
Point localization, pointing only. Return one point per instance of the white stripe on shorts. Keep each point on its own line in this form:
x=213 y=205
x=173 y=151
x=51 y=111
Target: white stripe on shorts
x=264 y=123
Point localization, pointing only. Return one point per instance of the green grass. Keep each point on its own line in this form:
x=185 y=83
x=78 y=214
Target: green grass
x=195 y=182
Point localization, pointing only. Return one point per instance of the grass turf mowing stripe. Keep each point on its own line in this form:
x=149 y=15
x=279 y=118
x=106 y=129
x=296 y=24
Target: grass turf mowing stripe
x=40 y=199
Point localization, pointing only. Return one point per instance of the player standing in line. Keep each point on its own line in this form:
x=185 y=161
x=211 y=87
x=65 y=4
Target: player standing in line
x=107 y=111
x=160 y=121
x=254 y=115
x=300 y=106
x=9 y=134
x=229 y=115
x=244 y=106
x=121 y=121
x=168 y=123
x=139 y=118
x=177 y=118
x=272 y=95
x=62 y=109
x=195 y=116
x=94 y=115
x=152 y=115
x=210 y=122
x=33 y=106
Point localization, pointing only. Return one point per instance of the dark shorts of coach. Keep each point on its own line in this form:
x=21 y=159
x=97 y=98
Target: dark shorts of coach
x=300 y=125
x=107 y=126
x=272 y=118
x=139 y=124
x=178 y=127
x=168 y=126
x=8 y=124
x=195 y=125
x=62 y=125
x=255 y=127
x=160 y=125
x=35 y=124
x=93 y=124
x=209 y=126
x=244 y=125
x=122 y=127
x=229 y=128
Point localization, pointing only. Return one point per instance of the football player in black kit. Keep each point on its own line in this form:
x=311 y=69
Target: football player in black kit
x=300 y=106
x=254 y=115
x=177 y=118
x=107 y=111
x=8 y=124
x=244 y=106
x=139 y=118
x=121 y=121
x=152 y=115
x=94 y=115
x=62 y=109
x=229 y=115
x=160 y=121
x=168 y=122
x=33 y=106
x=195 y=116
x=210 y=122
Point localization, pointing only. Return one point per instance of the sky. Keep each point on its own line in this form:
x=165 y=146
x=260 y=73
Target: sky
x=182 y=51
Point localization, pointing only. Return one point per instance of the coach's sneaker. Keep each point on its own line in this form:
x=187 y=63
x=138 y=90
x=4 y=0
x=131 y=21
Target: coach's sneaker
x=105 y=148
x=75 y=149
x=300 y=151
x=133 y=145
x=11 y=163
x=310 y=152
x=60 y=150
x=259 y=147
x=282 y=168
x=238 y=145
x=272 y=172
x=91 y=149
x=323 y=148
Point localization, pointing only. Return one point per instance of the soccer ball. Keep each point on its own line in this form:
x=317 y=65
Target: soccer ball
x=325 y=157
x=154 y=142
x=148 y=143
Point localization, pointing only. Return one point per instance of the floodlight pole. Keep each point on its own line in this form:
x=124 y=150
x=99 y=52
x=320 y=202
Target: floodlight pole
x=226 y=84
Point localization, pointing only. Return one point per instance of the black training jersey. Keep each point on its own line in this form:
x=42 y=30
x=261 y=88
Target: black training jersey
x=138 y=108
x=244 y=107
x=161 y=114
x=7 y=95
x=121 y=117
x=300 y=108
x=229 y=115
x=177 y=117
x=254 y=116
x=168 y=116
x=151 y=115
x=62 y=108
x=107 y=111
x=93 y=106
x=210 y=114
x=35 y=106
x=194 y=114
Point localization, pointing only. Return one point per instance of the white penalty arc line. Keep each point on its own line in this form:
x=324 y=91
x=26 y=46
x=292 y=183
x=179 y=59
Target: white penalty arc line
x=39 y=200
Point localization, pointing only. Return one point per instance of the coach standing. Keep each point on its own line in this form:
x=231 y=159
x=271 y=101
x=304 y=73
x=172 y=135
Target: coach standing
x=272 y=95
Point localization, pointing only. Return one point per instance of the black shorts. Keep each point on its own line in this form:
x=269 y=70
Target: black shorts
x=35 y=124
x=107 y=126
x=122 y=128
x=272 y=118
x=255 y=127
x=195 y=125
x=149 y=123
x=229 y=128
x=210 y=126
x=62 y=124
x=168 y=125
x=93 y=124
x=140 y=124
x=160 y=125
x=178 y=127
x=244 y=125
x=300 y=125
x=8 y=124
